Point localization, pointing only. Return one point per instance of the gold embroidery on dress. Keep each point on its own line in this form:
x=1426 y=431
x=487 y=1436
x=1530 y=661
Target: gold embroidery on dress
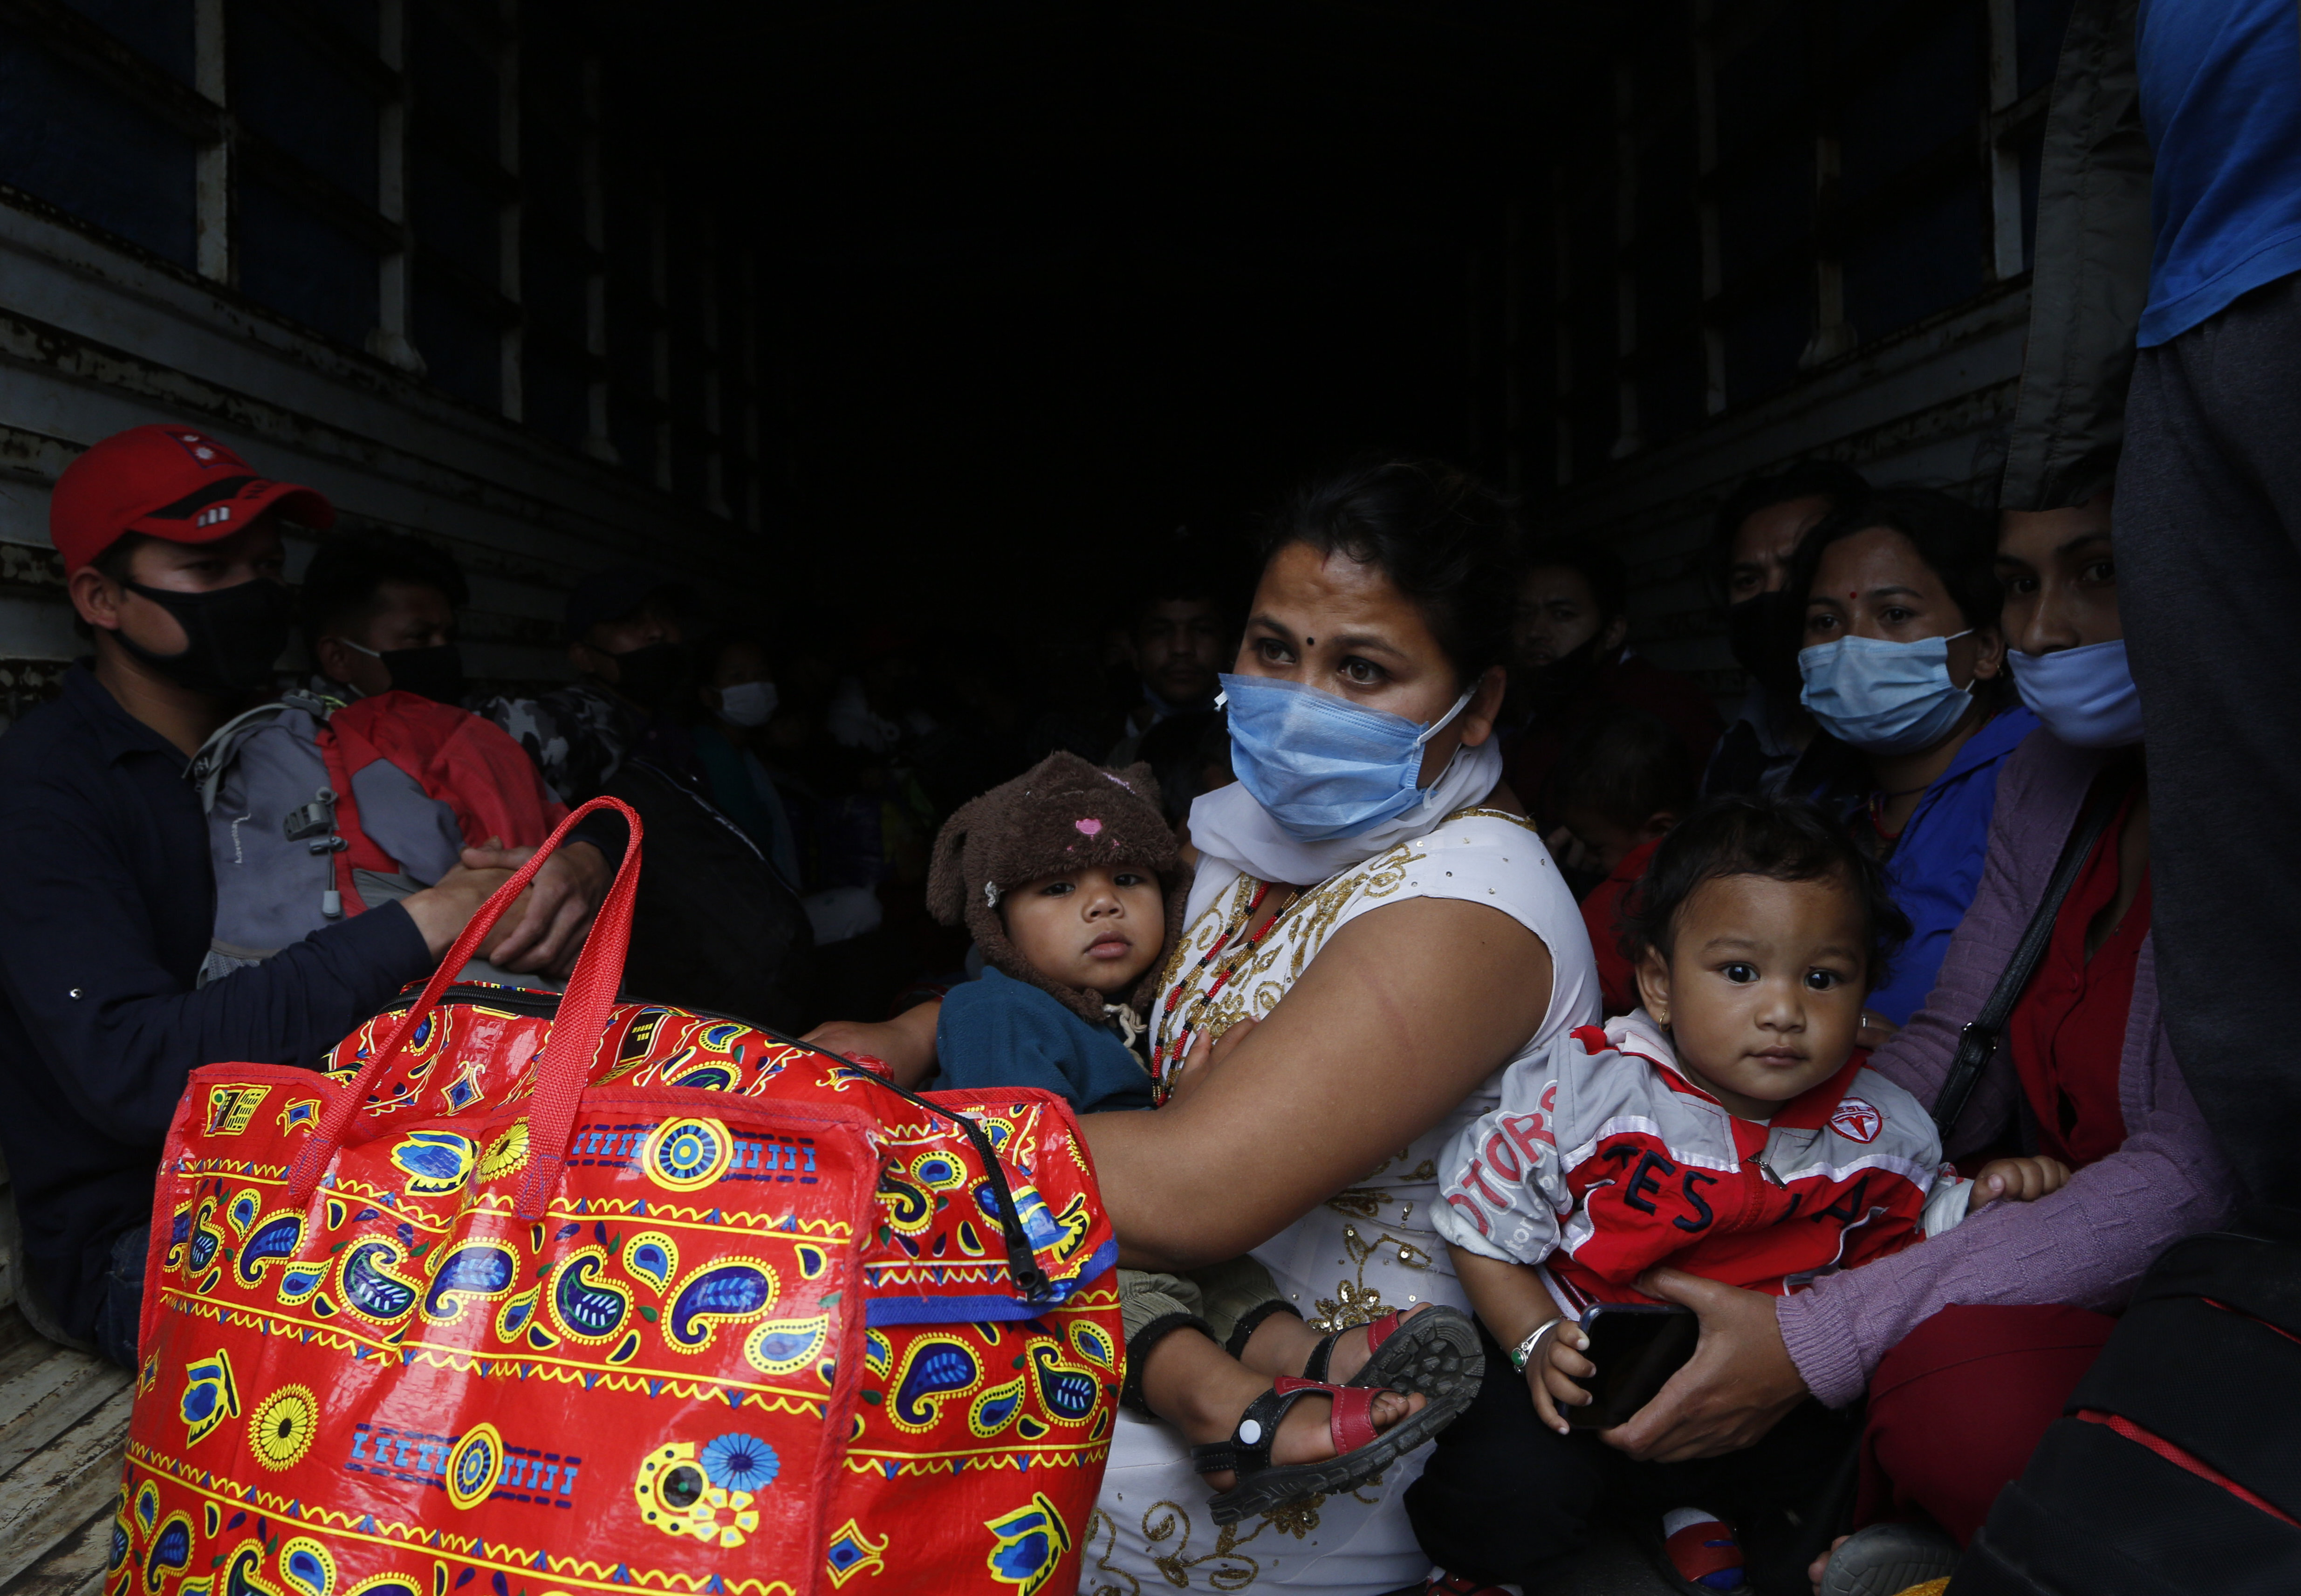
x=1524 y=821
x=1295 y=934
x=1297 y=1519
x=1257 y=983
x=1232 y=1569
x=1354 y=1301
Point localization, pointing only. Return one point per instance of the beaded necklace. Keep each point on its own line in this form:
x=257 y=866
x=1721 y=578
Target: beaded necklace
x=1171 y=1052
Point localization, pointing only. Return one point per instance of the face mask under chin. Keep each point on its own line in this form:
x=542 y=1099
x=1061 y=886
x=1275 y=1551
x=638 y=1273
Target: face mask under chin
x=234 y=635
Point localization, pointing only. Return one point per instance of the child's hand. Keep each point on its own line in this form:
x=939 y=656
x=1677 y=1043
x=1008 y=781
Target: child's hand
x=905 y=1044
x=1203 y=1059
x=1552 y=1375
x=2018 y=1180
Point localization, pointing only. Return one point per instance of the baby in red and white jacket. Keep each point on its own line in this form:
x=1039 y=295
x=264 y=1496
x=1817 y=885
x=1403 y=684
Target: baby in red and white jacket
x=1724 y=1129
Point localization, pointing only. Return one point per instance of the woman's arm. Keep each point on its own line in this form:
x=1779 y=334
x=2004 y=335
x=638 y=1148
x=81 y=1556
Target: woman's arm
x=2085 y=1245
x=1402 y=1012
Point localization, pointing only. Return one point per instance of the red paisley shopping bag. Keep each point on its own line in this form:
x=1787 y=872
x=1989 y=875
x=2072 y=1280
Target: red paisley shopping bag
x=540 y=1296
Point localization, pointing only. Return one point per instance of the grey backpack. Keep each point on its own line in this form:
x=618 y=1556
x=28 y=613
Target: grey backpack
x=276 y=825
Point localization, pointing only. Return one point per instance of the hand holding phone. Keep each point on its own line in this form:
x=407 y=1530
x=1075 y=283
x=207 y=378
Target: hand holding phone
x=1553 y=1373
x=1630 y=1350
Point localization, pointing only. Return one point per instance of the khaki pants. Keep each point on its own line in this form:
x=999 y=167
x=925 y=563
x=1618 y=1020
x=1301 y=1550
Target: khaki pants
x=1223 y=1301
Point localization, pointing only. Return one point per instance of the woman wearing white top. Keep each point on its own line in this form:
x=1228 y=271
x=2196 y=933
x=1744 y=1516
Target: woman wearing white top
x=1374 y=932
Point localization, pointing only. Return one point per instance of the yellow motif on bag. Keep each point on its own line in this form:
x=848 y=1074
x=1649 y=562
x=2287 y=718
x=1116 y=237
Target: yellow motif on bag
x=852 y=1552
x=211 y=1396
x=231 y=1107
x=687 y=1154
x=676 y=1497
x=1032 y=1543
x=284 y=1424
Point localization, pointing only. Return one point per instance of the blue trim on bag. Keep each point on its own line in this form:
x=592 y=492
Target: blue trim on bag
x=882 y=1311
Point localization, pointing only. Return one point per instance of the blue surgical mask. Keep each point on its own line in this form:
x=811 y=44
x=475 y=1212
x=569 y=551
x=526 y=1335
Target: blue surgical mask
x=2085 y=695
x=1320 y=766
x=1884 y=698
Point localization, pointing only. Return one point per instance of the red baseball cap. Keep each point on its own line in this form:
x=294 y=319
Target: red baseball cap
x=166 y=482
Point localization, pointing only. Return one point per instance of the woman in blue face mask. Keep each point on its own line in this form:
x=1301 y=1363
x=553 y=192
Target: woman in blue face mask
x=1372 y=930
x=1903 y=662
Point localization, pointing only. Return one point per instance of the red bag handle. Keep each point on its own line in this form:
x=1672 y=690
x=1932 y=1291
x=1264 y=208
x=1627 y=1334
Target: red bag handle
x=566 y=1067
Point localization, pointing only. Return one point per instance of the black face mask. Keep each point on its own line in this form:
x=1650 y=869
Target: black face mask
x=237 y=633
x=651 y=676
x=1763 y=634
x=1568 y=674
x=436 y=672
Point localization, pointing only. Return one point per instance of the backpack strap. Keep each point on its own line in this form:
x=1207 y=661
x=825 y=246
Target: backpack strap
x=1977 y=1042
x=313 y=823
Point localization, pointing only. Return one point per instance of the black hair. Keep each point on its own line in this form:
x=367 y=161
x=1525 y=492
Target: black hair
x=1444 y=538
x=346 y=577
x=713 y=645
x=1600 y=566
x=1179 y=749
x=1173 y=577
x=1956 y=541
x=1781 y=839
x=1832 y=480
x=1626 y=769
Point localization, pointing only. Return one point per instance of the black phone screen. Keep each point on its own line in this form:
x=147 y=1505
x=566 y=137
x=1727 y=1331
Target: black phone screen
x=1637 y=1347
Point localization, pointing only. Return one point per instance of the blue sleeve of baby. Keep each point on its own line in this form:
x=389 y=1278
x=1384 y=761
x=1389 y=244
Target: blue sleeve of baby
x=997 y=1031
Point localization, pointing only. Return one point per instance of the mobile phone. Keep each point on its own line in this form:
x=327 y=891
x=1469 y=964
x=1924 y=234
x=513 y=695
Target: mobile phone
x=1637 y=1347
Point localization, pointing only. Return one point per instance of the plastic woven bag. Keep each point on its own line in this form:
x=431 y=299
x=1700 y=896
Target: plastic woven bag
x=533 y=1295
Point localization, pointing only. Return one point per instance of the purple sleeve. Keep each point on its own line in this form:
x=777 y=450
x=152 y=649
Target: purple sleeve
x=2086 y=1244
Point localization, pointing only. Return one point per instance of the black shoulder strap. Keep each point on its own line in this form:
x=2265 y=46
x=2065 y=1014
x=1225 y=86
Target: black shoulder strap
x=1977 y=1043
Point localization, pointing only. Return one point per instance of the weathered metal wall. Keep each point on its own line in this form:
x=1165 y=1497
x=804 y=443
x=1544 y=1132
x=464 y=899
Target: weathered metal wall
x=419 y=254
x=93 y=340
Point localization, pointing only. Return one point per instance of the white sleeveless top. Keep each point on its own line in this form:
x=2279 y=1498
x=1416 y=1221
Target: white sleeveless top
x=1363 y=1252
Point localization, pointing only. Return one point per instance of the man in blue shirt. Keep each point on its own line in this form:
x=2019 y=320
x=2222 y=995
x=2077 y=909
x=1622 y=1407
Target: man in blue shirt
x=173 y=561
x=2208 y=534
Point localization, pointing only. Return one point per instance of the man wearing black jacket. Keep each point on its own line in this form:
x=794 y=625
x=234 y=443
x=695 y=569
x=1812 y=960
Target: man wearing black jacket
x=173 y=563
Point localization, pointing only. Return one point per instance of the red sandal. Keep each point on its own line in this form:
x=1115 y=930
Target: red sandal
x=1362 y=1451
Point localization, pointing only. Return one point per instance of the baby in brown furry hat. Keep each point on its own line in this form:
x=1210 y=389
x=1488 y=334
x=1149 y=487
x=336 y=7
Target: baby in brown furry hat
x=1071 y=884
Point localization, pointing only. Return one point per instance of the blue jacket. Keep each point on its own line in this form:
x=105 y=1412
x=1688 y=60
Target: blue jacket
x=1000 y=1031
x=1936 y=865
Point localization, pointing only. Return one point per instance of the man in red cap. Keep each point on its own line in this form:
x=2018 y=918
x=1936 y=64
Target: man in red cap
x=173 y=561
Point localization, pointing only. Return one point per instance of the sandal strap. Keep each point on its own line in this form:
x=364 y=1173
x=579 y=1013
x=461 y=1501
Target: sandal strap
x=1248 y=1449
x=1314 y=1368
x=1350 y=1425
x=1318 y=1365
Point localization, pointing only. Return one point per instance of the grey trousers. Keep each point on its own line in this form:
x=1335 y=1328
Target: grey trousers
x=1222 y=1301
x=2207 y=527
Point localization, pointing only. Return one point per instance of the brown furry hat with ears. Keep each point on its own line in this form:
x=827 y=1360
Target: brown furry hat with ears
x=1062 y=814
